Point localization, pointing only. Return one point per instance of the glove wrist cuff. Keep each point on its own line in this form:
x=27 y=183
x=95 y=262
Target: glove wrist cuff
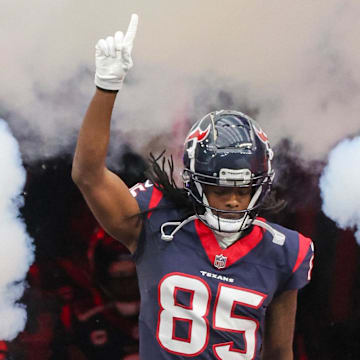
x=107 y=84
x=107 y=90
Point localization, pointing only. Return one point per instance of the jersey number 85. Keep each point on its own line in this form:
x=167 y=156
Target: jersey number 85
x=195 y=314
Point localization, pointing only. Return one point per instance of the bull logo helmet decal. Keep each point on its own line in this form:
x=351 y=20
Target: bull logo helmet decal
x=261 y=135
x=198 y=134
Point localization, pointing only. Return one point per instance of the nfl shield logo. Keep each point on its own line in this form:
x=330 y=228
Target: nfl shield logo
x=220 y=261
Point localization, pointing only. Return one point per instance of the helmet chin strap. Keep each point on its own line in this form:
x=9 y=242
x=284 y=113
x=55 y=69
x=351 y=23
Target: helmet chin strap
x=228 y=225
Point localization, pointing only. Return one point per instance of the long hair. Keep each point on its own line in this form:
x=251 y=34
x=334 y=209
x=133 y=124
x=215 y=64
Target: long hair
x=161 y=174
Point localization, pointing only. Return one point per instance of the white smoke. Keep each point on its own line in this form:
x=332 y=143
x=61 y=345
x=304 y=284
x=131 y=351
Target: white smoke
x=297 y=63
x=339 y=185
x=17 y=252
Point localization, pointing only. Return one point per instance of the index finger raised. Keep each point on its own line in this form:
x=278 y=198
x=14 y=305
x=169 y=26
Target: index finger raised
x=131 y=31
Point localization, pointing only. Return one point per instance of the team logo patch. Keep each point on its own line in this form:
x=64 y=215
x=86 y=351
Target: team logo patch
x=198 y=134
x=220 y=261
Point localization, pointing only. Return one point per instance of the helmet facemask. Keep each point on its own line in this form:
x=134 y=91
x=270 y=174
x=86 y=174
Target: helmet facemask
x=228 y=221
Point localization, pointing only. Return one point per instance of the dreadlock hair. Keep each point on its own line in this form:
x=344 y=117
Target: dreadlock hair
x=161 y=174
x=272 y=204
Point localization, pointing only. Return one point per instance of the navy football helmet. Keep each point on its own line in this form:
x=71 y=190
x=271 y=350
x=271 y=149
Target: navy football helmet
x=227 y=148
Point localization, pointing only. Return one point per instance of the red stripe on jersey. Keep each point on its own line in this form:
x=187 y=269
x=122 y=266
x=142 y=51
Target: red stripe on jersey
x=234 y=252
x=304 y=244
x=156 y=197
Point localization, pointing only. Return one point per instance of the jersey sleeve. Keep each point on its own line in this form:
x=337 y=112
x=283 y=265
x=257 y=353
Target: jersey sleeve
x=302 y=268
x=146 y=195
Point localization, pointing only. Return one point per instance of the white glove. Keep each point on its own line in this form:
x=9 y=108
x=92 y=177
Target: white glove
x=113 y=57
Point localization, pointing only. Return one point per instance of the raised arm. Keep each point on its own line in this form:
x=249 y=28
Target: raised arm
x=106 y=194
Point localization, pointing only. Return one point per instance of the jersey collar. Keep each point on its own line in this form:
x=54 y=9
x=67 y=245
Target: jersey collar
x=223 y=258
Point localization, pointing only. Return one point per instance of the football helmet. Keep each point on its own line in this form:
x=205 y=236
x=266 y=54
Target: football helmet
x=227 y=148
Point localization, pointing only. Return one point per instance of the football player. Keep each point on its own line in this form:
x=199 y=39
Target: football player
x=216 y=281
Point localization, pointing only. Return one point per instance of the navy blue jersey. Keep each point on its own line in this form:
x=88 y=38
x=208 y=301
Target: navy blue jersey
x=201 y=301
